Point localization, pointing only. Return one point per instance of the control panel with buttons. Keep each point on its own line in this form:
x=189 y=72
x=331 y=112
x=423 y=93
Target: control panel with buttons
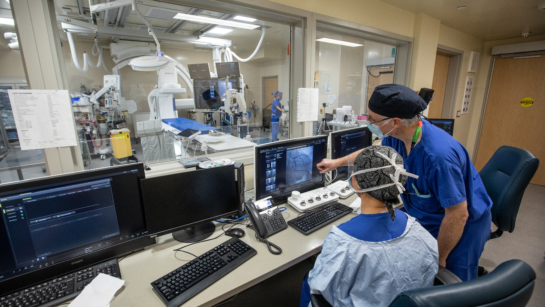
x=310 y=200
x=341 y=188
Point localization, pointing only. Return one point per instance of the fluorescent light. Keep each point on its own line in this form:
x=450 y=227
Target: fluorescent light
x=7 y=21
x=248 y=19
x=211 y=40
x=218 y=30
x=338 y=42
x=202 y=19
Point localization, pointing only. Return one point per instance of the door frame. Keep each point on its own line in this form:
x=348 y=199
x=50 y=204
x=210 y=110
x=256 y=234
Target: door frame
x=263 y=89
x=487 y=91
x=453 y=77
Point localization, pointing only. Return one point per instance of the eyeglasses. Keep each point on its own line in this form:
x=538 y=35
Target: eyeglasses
x=378 y=121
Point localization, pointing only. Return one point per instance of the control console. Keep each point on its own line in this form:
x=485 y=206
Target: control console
x=310 y=200
x=341 y=188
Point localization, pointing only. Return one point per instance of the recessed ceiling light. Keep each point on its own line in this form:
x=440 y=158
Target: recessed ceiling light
x=248 y=19
x=338 y=42
x=218 y=30
x=461 y=7
x=211 y=40
x=7 y=21
x=221 y=22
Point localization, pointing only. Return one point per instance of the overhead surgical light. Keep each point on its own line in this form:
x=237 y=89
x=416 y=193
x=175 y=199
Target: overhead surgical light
x=218 y=30
x=14 y=45
x=248 y=19
x=10 y=35
x=338 y=42
x=148 y=63
x=7 y=21
x=221 y=22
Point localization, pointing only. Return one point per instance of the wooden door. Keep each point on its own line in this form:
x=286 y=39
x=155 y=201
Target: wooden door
x=440 y=73
x=270 y=85
x=506 y=121
x=378 y=76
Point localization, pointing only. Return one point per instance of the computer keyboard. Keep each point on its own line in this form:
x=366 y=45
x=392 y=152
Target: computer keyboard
x=60 y=289
x=317 y=219
x=180 y=285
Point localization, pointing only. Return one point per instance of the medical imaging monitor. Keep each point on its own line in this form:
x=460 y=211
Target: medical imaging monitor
x=286 y=166
x=228 y=69
x=199 y=71
x=208 y=92
x=345 y=142
x=443 y=123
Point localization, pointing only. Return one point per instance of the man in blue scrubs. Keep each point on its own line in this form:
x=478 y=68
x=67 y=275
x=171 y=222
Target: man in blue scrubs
x=275 y=115
x=449 y=198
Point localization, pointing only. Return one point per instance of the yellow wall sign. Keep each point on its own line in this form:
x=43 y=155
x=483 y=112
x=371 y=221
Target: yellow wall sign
x=527 y=102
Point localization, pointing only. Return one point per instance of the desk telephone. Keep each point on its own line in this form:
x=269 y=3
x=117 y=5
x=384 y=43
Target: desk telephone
x=266 y=220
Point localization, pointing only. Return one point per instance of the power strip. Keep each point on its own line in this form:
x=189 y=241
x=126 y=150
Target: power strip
x=312 y=199
x=341 y=188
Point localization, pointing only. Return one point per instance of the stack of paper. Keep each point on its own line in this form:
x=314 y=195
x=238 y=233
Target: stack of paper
x=99 y=293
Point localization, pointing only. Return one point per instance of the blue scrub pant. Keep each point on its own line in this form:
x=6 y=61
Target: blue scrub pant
x=275 y=128
x=463 y=260
x=305 y=293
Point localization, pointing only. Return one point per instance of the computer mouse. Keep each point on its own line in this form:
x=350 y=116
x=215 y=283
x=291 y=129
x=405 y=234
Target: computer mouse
x=236 y=232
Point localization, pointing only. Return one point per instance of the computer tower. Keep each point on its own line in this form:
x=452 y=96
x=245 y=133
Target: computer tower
x=241 y=185
x=426 y=94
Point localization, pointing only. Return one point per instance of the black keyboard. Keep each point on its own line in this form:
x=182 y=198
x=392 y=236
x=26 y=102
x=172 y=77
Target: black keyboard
x=317 y=219
x=180 y=285
x=60 y=289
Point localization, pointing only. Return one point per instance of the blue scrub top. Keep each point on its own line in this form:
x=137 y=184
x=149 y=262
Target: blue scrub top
x=376 y=227
x=275 y=112
x=446 y=178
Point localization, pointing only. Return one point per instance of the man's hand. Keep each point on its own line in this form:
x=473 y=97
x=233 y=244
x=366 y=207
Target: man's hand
x=451 y=230
x=327 y=165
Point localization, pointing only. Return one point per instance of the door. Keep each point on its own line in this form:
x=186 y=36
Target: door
x=506 y=121
x=379 y=76
x=440 y=75
x=270 y=86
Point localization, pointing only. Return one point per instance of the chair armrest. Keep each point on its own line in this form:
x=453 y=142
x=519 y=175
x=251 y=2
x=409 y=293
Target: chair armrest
x=445 y=277
x=317 y=300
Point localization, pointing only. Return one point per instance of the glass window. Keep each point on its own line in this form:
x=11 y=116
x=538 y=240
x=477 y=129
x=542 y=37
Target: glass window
x=242 y=110
x=347 y=71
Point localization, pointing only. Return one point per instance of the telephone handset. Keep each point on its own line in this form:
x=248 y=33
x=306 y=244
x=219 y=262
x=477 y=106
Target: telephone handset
x=267 y=220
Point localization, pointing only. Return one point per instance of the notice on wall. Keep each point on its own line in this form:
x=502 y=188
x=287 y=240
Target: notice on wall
x=43 y=118
x=307 y=104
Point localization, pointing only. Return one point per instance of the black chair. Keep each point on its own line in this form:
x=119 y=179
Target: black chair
x=505 y=178
x=510 y=285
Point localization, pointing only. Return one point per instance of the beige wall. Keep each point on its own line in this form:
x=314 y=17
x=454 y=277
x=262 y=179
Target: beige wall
x=11 y=64
x=426 y=36
x=464 y=124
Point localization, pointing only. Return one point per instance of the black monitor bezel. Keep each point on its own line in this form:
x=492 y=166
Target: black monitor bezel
x=257 y=169
x=72 y=265
x=148 y=205
x=448 y=119
x=232 y=76
x=332 y=136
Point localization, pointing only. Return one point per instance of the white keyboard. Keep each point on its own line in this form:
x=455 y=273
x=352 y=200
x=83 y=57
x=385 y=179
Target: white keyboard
x=341 y=188
x=313 y=199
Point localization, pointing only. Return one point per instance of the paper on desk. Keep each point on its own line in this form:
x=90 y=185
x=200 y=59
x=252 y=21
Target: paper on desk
x=356 y=206
x=99 y=293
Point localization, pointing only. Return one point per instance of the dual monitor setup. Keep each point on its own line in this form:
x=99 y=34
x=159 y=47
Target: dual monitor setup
x=207 y=90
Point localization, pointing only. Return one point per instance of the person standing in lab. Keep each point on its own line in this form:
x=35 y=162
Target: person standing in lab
x=449 y=198
x=275 y=115
x=350 y=98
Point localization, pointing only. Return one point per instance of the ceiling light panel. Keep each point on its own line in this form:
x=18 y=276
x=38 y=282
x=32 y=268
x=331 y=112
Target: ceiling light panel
x=338 y=42
x=242 y=18
x=218 y=30
x=221 y=22
x=7 y=21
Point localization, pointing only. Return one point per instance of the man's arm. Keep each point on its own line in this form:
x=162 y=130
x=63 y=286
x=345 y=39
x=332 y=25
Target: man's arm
x=280 y=109
x=328 y=165
x=451 y=230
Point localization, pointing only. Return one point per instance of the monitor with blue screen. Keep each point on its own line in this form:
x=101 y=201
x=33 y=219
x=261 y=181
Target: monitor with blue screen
x=443 y=123
x=345 y=142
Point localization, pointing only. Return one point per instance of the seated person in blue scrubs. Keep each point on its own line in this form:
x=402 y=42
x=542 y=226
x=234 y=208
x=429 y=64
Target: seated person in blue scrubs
x=449 y=199
x=380 y=253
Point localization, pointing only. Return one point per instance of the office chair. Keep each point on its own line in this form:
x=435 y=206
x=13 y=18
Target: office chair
x=510 y=285
x=505 y=178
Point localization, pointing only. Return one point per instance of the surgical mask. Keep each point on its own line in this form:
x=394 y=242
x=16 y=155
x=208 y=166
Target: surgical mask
x=348 y=88
x=279 y=98
x=399 y=170
x=376 y=129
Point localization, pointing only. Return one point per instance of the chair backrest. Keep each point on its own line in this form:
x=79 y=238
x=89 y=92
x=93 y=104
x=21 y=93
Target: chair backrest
x=510 y=285
x=505 y=177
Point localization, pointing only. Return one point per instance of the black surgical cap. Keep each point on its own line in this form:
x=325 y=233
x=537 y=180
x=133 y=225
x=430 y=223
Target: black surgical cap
x=394 y=100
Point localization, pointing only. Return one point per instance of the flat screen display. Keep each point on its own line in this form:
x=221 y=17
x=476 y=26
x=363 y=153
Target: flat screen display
x=346 y=142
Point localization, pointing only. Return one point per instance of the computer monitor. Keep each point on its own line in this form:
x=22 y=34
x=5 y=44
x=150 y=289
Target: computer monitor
x=186 y=202
x=443 y=123
x=208 y=93
x=60 y=224
x=228 y=69
x=286 y=166
x=345 y=142
x=199 y=71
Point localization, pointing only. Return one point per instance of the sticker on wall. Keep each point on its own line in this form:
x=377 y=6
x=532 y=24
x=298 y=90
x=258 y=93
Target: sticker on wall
x=331 y=99
x=527 y=102
x=467 y=94
x=328 y=87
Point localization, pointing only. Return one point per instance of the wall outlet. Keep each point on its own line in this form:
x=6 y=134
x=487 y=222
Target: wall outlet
x=467 y=94
x=459 y=113
x=473 y=61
